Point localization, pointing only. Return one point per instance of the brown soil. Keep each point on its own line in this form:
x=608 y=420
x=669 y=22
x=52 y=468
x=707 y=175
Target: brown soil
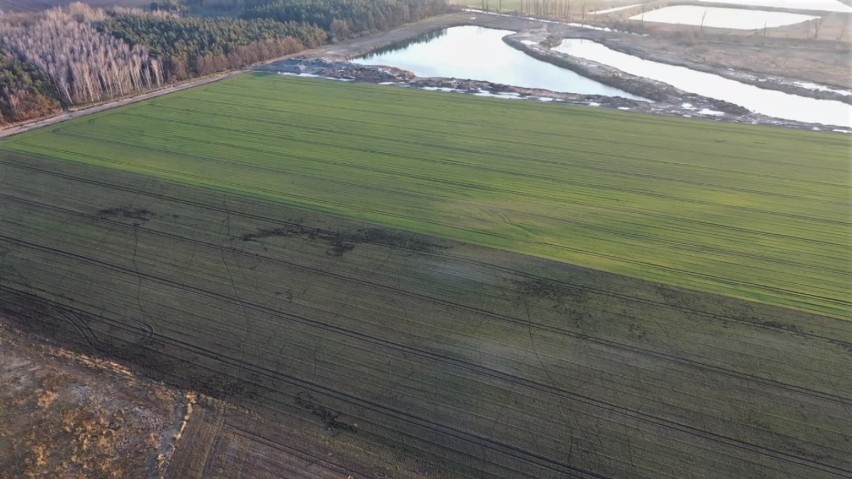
x=68 y=415
x=224 y=440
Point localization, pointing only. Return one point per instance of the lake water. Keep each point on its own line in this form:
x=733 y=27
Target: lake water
x=767 y=102
x=722 y=17
x=476 y=53
x=817 y=5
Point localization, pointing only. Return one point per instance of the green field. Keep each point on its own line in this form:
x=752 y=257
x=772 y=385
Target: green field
x=755 y=213
x=238 y=240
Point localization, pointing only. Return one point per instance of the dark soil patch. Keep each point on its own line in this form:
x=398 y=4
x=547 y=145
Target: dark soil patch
x=328 y=417
x=141 y=214
x=341 y=242
x=567 y=300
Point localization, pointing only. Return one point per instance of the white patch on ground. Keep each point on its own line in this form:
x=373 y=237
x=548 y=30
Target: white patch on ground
x=505 y=95
x=722 y=17
x=311 y=75
x=817 y=87
x=687 y=106
x=616 y=9
x=706 y=111
x=438 y=88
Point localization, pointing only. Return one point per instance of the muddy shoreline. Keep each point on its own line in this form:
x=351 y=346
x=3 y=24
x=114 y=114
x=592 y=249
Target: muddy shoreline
x=644 y=87
x=622 y=43
x=535 y=38
x=666 y=49
x=804 y=61
x=686 y=106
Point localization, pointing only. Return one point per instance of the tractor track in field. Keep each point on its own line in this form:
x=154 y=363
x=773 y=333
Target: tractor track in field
x=314 y=458
x=274 y=221
x=656 y=194
x=358 y=112
x=374 y=406
x=688 y=273
x=350 y=399
x=497 y=153
x=491 y=314
x=520 y=193
x=462 y=364
x=368 y=350
x=468 y=437
x=619 y=233
x=467 y=184
x=254 y=216
x=547 y=198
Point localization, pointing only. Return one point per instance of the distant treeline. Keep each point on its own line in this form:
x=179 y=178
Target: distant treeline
x=78 y=54
x=192 y=46
x=346 y=18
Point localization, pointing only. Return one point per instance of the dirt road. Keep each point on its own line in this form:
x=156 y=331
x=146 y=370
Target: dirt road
x=115 y=103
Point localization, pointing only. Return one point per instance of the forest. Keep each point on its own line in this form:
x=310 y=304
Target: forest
x=344 y=19
x=25 y=91
x=192 y=46
x=79 y=55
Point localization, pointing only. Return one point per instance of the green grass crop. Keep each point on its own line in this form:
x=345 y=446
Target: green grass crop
x=751 y=212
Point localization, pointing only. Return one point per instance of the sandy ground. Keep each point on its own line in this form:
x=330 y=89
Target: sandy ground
x=66 y=415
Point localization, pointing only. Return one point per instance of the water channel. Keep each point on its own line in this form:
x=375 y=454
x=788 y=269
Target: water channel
x=767 y=102
x=476 y=53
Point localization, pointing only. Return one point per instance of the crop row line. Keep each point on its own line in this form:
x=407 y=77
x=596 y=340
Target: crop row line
x=485 y=371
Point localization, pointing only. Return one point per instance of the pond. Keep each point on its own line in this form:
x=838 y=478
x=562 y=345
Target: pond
x=476 y=53
x=767 y=102
x=713 y=17
x=815 y=5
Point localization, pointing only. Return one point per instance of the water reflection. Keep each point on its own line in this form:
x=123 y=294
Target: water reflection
x=422 y=38
x=477 y=53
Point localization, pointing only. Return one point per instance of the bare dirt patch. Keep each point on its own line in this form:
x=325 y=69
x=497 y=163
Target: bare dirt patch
x=340 y=242
x=68 y=415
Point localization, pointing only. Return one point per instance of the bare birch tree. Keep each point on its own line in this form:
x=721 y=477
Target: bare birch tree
x=85 y=64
